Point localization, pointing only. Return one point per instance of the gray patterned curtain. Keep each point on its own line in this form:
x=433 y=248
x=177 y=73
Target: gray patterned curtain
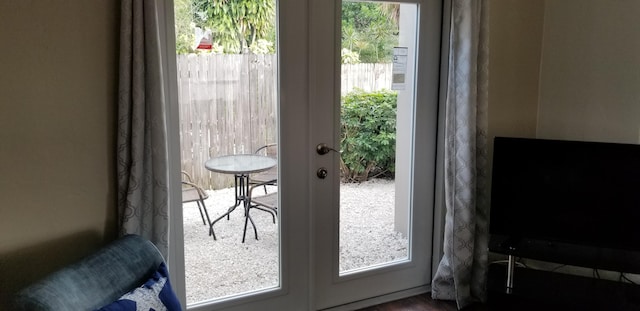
x=461 y=274
x=142 y=149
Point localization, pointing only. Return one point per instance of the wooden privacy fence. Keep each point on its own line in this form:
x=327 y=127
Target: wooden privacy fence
x=367 y=77
x=228 y=105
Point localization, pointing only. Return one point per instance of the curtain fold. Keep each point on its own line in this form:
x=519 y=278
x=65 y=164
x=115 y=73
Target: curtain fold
x=461 y=274
x=142 y=154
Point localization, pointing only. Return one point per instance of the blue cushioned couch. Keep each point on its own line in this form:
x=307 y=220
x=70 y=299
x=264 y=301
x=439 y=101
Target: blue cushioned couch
x=96 y=280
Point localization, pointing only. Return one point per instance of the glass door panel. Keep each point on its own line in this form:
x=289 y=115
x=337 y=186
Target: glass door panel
x=377 y=104
x=228 y=98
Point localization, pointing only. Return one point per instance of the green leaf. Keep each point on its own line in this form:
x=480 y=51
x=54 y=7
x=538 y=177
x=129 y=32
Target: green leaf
x=368 y=126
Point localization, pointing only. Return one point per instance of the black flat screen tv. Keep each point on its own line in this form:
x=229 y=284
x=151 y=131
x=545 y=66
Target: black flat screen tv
x=583 y=193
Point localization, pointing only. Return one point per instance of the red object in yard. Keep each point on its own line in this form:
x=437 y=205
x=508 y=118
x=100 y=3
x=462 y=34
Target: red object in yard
x=205 y=44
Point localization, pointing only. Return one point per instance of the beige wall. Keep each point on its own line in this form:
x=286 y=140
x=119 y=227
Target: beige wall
x=514 y=66
x=590 y=71
x=58 y=87
x=565 y=70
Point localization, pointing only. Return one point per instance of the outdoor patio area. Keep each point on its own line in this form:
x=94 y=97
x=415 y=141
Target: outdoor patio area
x=216 y=269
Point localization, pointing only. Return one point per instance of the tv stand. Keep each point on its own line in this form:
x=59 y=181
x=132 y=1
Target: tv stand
x=511 y=265
x=544 y=290
x=513 y=287
x=530 y=289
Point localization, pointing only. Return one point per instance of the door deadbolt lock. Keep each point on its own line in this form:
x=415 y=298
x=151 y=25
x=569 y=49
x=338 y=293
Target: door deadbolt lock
x=322 y=173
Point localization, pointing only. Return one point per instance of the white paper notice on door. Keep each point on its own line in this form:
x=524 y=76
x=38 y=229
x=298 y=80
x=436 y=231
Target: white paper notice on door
x=400 y=55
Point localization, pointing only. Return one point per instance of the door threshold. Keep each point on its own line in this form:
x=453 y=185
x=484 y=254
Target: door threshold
x=381 y=299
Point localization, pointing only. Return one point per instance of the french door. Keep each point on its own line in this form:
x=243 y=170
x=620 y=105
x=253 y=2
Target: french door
x=291 y=290
x=315 y=270
x=396 y=259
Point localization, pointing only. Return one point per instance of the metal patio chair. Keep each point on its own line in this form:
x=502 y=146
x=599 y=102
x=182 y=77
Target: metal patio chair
x=267 y=202
x=268 y=177
x=191 y=192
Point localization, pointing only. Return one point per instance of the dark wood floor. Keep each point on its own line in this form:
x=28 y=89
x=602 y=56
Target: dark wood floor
x=419 y=303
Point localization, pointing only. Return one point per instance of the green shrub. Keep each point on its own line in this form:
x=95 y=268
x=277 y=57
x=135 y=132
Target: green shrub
x=368 y=134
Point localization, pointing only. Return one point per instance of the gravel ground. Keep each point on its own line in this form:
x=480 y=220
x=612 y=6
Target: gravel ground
x=226 y=267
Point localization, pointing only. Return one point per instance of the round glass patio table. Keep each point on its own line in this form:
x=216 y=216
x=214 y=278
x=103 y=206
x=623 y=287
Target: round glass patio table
x=240 y=165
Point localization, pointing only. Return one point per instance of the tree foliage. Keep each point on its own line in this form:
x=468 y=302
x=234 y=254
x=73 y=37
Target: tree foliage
x=368 y=134
x=238 y=26
x=185 y=29
x=370 y=29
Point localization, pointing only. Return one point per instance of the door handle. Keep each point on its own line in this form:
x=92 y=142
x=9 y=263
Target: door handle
x=323 y=149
